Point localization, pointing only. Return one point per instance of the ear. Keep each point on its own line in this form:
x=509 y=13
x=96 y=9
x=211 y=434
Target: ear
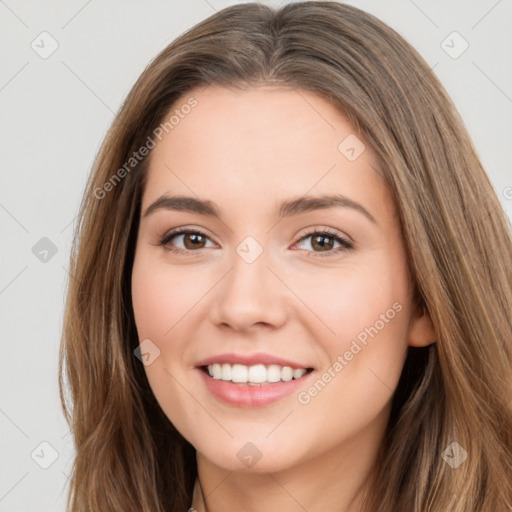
x=421 y=328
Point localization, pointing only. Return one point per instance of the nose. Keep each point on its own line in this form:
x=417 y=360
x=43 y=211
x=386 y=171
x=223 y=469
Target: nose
x=250 y=294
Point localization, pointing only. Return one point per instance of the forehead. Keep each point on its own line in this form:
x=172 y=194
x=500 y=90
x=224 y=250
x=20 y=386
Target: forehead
x=259 y=144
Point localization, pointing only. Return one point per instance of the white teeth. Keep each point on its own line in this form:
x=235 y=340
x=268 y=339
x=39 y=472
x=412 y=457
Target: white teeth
x=216 y=371
x=287 y=373
x=239 y=373
x=256 y=374
x=274 y=373
x=226 y=371
x=297 y=374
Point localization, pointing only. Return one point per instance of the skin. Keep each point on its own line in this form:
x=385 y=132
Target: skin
x=246 y=151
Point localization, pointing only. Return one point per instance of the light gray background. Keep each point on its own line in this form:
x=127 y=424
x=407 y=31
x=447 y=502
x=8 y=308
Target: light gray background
x=55 y=112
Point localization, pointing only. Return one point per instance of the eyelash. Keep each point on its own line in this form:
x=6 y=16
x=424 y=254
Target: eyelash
x=345 y=244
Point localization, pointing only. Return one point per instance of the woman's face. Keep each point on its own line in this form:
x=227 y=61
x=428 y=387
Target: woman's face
x=263 y=283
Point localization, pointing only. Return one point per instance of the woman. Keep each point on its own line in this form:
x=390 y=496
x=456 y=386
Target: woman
x=292 y=282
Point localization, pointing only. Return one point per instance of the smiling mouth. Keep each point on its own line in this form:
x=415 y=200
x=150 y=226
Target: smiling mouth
x=256 y=375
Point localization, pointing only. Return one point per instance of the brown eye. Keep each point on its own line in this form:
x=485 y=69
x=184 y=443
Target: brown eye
x=323 y=243
x=192 y=240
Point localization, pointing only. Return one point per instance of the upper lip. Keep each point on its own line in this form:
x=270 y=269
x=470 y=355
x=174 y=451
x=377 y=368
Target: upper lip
x=250 y=360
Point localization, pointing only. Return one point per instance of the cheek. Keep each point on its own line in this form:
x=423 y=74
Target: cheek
x=158 y=305
x=162 y=297
x=366 y=310
x=355 y=299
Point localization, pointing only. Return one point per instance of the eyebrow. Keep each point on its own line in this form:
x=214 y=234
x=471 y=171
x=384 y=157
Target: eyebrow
x=287 y=208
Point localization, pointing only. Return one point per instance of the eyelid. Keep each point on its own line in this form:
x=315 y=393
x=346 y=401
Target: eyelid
x=324 y=229
x=166 y=238
x=346 y=242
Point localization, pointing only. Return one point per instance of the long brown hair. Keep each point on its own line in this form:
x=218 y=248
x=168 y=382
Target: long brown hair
x=129 y=457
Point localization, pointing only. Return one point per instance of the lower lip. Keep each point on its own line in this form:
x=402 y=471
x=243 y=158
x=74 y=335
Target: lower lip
x=245 y=395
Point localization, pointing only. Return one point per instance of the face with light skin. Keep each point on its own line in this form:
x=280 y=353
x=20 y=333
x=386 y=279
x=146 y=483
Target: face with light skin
x=247 y=152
